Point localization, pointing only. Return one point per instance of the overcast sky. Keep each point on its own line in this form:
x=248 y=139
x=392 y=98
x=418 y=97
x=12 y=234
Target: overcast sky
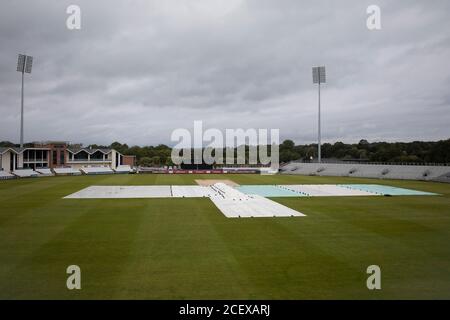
x=139 y=69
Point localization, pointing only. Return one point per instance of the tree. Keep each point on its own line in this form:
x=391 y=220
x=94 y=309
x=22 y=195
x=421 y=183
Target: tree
x=97 y=146
x=287 y=145
x=122 y=148
x=363 y=142
x=145 y=162
x=156 y=160
x=6 y=144
x=416 y=151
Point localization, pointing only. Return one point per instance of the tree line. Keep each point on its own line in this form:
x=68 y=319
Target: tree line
x=363 y=151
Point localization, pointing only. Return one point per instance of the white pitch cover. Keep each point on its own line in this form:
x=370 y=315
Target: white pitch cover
x=325 y=190
x=191 y=191
x=231 y=202
x=111 y=192
x=235 y=204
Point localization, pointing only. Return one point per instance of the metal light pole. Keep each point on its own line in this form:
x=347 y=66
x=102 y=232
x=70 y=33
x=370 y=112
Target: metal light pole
x=319 y=77
x=24 y=64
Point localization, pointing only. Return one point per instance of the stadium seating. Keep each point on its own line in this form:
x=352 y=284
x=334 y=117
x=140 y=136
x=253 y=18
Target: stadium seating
x=45 y=172
x=417 y=172
x=369 y=171
x=6 y=175
x=123 y=169
x=25 y=173
x=66 y=171
x=243 y=170
x=151 y=170
x=443 y=178
x=409 y=172
x=324 y=169
x=96 y=170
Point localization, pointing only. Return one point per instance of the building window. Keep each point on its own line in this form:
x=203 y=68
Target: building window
x=82 y=155
x=97 y=156
x=54 y=157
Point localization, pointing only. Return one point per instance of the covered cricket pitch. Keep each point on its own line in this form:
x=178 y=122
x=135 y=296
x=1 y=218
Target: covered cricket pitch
x=185 y=248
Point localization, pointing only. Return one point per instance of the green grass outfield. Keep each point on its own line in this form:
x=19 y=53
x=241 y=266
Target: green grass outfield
x=186 y=248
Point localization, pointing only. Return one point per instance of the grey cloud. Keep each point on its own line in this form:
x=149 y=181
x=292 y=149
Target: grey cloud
x=139 y=69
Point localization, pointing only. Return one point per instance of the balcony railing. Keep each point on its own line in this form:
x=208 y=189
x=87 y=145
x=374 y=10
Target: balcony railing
x=324 y=161
x=87 y=160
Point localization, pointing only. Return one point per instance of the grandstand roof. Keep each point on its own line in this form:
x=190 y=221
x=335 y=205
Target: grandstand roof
x=5 y=149
x=19 y=150
x=74 y=150
x=89 y=150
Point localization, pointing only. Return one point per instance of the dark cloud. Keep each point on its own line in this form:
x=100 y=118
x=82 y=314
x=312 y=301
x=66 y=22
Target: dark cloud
x=139 y=69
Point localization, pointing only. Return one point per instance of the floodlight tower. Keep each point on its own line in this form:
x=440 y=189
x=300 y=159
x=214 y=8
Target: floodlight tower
x=24 y=64
x=319 y=77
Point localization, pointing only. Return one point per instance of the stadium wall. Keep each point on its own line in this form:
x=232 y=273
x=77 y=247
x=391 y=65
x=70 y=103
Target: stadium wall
x=5 y=161
x=129 y=160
